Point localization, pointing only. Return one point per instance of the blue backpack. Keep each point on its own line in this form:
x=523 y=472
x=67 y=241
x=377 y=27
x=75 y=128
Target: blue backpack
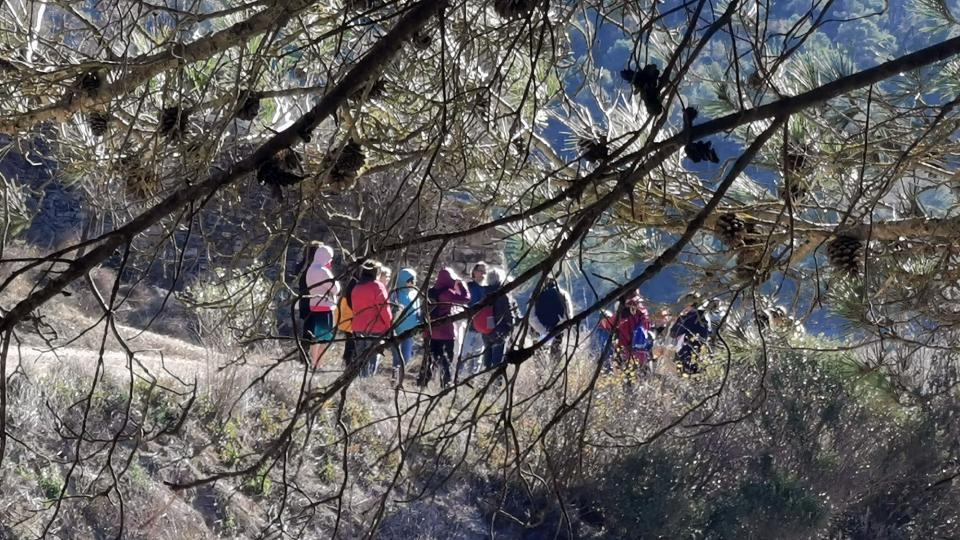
x=641 y=340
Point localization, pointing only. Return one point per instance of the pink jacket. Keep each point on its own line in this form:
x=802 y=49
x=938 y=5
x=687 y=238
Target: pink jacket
x=371 y=308
x=324 y=290
x=445 y=296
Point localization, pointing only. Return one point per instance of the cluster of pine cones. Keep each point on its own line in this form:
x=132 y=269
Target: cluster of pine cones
x=744 y=238
x=283 y=169
x=646 y=82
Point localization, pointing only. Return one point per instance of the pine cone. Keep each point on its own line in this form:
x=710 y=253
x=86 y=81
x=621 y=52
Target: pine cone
x=731 y=229
x=139 y=181
x=796 y=163
x=845 y=254
x=174 y=121
x=750 y=254
x=98 y=122
x=283 y=169
x=347 y=165
x=89 y=82
x=375 y=90
x=795 y=187
x=249 y=107
x=509 y=9
x=796 y=192
x=646 y=82
x=593 y=150
x=360 y=5
x=421 y=39
x=701 y=151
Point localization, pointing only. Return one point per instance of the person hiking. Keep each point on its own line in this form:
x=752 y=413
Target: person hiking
x=372 y=319
x=445 y=297
x=502 y=318
x=407 y=315
x=471 y=353
x=303 y=291
x=633 y=338
x=552 y=307
x=691 y=330
x=603 y=338
x=659 y=330
x=384 y=276
x=345 y=321
x=324 y=290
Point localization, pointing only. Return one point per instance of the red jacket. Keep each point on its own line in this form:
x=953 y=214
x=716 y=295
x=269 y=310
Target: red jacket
x=371 y=308
x=626 y=326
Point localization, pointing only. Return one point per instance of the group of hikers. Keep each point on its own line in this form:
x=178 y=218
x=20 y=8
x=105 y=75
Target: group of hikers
x=371 y=309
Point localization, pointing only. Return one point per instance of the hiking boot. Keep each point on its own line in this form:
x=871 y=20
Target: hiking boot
x=395 y=378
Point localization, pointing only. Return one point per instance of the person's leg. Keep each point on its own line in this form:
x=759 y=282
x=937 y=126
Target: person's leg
x=436 y=359
x=446 y=360
x=308 y=338
x=459 y=330
x=374 y=363
x=323 y=333
x=398 y=358
x=317 y=350
x=495 y=355
x=470 y=354
x=349 y=349
x=606 y=352
x=685 y=355
x=402 y=352
x=406 y=349
x=556 y=348
x=364 y=353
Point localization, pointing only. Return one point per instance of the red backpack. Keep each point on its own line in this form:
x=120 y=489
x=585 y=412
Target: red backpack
x=483 y=321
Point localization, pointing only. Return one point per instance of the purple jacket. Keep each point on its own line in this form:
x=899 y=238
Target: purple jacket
x=445 y=295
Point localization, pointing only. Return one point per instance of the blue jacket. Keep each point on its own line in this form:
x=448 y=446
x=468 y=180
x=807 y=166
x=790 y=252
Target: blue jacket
x=477 y=292
x=406 y=302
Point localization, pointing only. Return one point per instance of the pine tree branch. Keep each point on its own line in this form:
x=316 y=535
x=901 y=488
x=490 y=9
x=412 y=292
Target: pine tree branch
x=144 y=68
x=368 y=66
x=785 y=106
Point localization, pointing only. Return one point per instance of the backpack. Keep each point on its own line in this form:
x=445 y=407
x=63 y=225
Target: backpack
x=483 y=321
x=641 y=340
x=550 y=307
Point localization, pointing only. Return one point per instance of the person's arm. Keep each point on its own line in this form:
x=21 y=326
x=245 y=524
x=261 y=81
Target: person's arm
x=385 y=313
x=460 y=294
x=503 y=315
x=567 y=304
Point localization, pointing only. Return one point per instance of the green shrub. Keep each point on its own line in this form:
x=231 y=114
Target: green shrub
x=768 y=504
x=259 y=484
x=50 y=483
x=645 y=495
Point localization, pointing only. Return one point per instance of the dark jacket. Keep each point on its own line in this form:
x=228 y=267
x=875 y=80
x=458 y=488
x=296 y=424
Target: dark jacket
x=694 y=323
x=506 y=313
x=551 y=307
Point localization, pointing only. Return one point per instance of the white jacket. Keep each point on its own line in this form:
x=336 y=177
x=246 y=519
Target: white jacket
x=324 y=290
